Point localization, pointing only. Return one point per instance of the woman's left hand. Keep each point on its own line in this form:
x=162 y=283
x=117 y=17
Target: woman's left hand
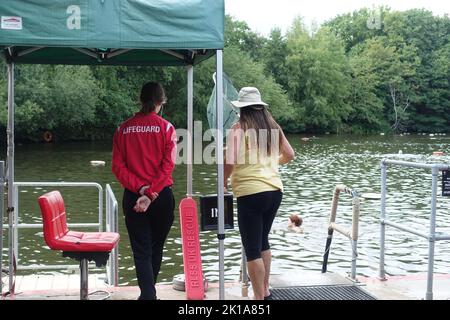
x=142 y=204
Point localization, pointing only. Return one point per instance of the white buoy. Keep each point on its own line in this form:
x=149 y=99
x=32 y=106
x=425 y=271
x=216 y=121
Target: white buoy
x=438 y=153
x=97 y=163
x=371 y=196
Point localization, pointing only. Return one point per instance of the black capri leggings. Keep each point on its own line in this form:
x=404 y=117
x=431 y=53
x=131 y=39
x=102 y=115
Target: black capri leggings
x=148 y=232
x=256 y=213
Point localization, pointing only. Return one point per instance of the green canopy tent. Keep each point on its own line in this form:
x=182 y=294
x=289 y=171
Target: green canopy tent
x=115 y=32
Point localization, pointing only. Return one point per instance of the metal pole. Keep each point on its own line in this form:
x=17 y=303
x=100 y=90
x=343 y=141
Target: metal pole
x=84 y=274
x=190 y=127
x=100 y=210
x=116 y=249
x=2 y=206
x=354 y=257
x=15 y=224
x=355 y=232
x=418 y=165
x=220 y=173
x=108 y=229
x=244 y=274
x=383 y=217
x=431 y=240
x=334 y=204
x=327 y=249
x=10 y=172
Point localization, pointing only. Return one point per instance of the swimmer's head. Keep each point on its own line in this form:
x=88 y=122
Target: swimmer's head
x=296 y=220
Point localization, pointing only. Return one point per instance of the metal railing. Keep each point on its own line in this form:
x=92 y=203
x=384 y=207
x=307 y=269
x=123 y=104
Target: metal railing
x=112 y=225
x=244 y=274
x=2 y=206
x=351 y=234
x=13 y=230
x=431 y=236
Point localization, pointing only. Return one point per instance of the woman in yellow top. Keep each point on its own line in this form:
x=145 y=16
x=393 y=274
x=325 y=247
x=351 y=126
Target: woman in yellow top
x=256 y=146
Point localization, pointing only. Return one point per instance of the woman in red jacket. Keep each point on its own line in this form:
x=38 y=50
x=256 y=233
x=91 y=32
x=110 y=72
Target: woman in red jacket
x=144 y=152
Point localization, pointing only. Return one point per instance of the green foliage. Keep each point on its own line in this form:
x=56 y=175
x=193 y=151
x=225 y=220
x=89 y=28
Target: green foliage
x=275 y=53
x=438 y=97
x=238 y=34
x=401 y=72
x=243 y=71
x=317 y=78
x=352 y=28
x=367 y=113
x=343 y=76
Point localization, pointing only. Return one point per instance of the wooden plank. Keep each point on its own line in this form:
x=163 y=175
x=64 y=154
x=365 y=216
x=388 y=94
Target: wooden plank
x=74 y=281
x=28 y=283
x=60 y=281
x=100 y=280
x=18 y=284
x=44 y=282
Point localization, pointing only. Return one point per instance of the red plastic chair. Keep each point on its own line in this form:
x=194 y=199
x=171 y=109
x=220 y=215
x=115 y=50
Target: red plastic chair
x=81 y=246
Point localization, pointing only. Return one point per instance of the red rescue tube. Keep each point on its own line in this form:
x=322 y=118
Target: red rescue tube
x=192 y=259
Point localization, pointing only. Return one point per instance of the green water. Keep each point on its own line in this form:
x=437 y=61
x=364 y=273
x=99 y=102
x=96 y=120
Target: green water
x=320 y=164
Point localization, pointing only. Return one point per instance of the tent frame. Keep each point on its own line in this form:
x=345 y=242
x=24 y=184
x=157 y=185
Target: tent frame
x=190 y=90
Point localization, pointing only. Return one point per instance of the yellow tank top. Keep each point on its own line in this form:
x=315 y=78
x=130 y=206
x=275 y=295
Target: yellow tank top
x=255 y=173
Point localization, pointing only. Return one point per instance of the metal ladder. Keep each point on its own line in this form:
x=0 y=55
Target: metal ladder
x=351 y=234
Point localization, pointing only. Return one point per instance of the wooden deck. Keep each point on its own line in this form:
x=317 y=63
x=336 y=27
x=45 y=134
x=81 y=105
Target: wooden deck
x=66 y=287
x=58 y=286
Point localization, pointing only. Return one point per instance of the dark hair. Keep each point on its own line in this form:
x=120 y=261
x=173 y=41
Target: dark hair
x=152 y=94
x=258 y=117
x=296 y=220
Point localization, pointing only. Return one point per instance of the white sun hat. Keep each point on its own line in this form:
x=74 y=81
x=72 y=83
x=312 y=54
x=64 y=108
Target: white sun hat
x=249 y=96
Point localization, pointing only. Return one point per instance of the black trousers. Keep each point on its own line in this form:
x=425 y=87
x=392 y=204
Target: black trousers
x=148 y=232
x=256 y=213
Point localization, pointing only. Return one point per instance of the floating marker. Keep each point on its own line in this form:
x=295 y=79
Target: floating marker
x=97 y=163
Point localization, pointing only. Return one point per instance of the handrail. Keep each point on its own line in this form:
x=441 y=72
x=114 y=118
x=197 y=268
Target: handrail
x=15 y=226
x=112 y=225
x=351 y=234
x=432 y=237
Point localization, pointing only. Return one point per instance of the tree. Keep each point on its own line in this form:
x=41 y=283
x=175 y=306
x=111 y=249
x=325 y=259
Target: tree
x=428 y=34
x=318 y=81
x=244 y=71
x=238 y=34
x=438 y=104
x=355 y=28
x=275 y=54
x=367 y=104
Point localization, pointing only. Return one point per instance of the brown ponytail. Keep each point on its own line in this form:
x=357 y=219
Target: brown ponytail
x=152 y=95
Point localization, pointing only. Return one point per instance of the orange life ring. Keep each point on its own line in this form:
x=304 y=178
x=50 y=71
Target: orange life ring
x=47 y=136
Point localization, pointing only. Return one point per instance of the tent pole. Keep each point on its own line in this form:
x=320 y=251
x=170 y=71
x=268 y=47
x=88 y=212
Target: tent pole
x=220 y=173
x=10 y=172
x=190 y=126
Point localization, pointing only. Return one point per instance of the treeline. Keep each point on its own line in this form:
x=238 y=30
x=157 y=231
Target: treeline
x=358 y=73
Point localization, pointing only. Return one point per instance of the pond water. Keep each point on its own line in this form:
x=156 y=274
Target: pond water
x=321 y=163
